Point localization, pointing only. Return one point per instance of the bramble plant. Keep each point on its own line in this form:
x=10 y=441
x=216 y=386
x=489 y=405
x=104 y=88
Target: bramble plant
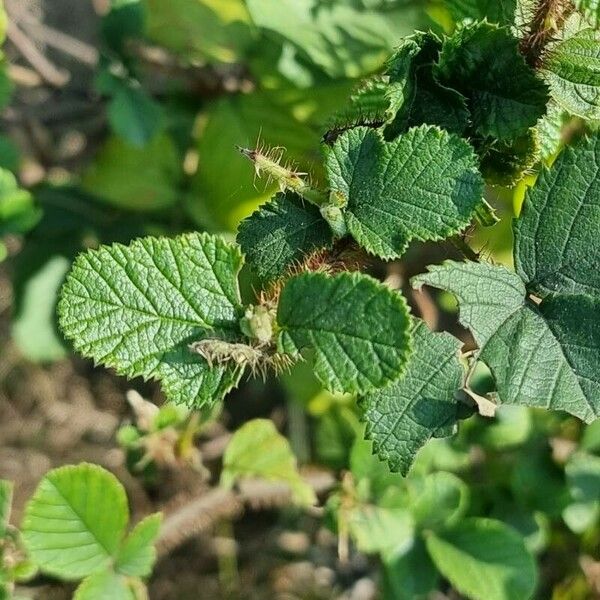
x=484 y=96
x=407 y=160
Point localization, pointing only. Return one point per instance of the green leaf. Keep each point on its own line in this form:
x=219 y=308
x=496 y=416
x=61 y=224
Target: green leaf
x=380 y=529
x=425 y=185
x=258 y=451
x=140 y=179
x=134 y=115
x=590 y=10
x=74 y=522
x=496 y=11
x=403 y=417
x=198 y=30
x=18 y=213
x=281 y=233
x=358 y=328
x=137 y=554
x=6 y=495
x=482 y=62
x=104 y=585
x=437 y=500
x=556 y=237
x=342 y=39
x=136 y=308
x=409 y=575
x=572 y=70
x=38 y=278
x=484 y=560
x=542 y=355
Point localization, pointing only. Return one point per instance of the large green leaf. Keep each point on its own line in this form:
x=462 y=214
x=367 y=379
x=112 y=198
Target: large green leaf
x=484 y=560
x=403 y=417
x=280 y=233
x=358 y=328
x=136 y=308
x=556 y=237
x=75 y=521
x=545 y=356
x=482 y=61
x=572 y=70
x=343 y=39
x=425 y=185
x=258 y=451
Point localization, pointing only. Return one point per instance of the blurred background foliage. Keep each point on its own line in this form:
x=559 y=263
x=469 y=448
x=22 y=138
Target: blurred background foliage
x=120 y=118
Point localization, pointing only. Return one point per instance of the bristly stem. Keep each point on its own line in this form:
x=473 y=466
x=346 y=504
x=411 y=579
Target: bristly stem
x=547 y=18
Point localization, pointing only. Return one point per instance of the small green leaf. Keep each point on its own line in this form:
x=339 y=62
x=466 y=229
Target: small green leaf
x=137 y=554
x=258 y=451
x=572 y=70
x=6 y=494
x=484 y=560
x=403 y=417
x=358 y=327
x=280 y=233
x=425 y=185
x=544 y=355
x=75 y=521
x=137 y=308
x=104 y=585
x=556 y=236
x=482 y=61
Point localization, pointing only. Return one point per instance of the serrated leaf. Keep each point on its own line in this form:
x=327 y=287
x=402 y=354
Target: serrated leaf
x=403 y=417
x=484 y=560
x=75 y=521
x=6 y=494
x=572 y=70
x=137 y=554
x=542 y=356
x=496 y=11
x=425 y=185
x=482 y=62
x=136 y=308
x=280 y=233
x=556 y=236
x=590 y=10
x=258 y=451
x=358 y=328
x=104 y=585
x=415 y=96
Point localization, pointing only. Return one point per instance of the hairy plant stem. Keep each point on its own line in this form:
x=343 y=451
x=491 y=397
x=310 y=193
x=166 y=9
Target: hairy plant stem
x=548 y=16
